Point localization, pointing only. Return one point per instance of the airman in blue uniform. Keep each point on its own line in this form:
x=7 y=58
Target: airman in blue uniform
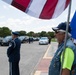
x=13 y=53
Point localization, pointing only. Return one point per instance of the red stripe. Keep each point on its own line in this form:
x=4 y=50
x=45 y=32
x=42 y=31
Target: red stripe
x=67 y=2
x=48 y=9
x=21 y=4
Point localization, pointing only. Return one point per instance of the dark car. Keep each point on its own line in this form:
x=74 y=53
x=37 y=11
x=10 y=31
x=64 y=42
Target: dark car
x=6 y=41
x=23 y=39
x=36 y=39
x=1 y=40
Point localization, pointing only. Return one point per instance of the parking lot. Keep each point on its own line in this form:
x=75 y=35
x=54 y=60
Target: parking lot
x=31 y=54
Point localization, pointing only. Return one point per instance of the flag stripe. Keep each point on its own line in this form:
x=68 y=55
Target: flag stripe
x=67 y=2
x=15 y=4
x=21 y=4
x=36 y=7
x=48 y=9
x=59 y=8
x=44 y=9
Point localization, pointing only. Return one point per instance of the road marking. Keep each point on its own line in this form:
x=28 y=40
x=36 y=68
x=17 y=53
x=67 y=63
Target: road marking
x=45 y=56
x=48 y=58
x=37 y=73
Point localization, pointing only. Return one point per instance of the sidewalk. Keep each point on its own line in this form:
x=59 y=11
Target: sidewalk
x=43 y=66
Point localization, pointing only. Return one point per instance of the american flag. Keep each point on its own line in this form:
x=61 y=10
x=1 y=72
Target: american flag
x=44 y=9
x=73 y=26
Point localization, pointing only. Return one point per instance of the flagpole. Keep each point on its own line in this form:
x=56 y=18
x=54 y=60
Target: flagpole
x=68 y=19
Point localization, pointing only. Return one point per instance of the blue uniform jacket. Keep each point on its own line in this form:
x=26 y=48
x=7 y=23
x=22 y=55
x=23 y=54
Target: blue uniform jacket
x=13 y=51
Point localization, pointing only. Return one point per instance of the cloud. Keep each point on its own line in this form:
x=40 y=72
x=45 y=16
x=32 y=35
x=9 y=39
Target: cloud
x=27 y=24
x=5 y=7
x=22 y=21
x=17 y=24
x=1 y=17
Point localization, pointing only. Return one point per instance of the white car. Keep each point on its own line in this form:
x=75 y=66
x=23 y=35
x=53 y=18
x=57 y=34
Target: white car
x=43 y=41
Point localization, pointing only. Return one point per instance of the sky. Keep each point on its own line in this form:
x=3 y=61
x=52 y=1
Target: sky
x=17 y=20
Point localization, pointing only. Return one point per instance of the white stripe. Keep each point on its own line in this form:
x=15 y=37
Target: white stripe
x=11 y=68
x=74 y=41
x=8 y=1
x=59 y=8
x=14 y=44
x=36 y=7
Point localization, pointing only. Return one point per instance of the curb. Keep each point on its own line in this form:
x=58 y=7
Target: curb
x=35 y=68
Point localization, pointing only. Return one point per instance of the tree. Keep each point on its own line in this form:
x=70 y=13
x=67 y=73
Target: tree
x=22 y=33
x=31 y=33
x=1 y=34
x=43 y=34
x=51 y=34
x=5 y=31
x=36 y=35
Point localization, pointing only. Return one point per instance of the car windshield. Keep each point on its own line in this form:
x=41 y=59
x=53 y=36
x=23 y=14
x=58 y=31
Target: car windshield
x=8 y=38
x=22 y=37
x=44 y=38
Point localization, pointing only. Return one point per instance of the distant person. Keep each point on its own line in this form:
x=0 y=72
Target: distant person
x=69 y=63
x=13 y=53
x=49 y=40
x=32 y=39
x=29 y=40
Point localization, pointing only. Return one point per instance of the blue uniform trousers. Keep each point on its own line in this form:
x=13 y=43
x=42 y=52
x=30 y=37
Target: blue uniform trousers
x=14 y=68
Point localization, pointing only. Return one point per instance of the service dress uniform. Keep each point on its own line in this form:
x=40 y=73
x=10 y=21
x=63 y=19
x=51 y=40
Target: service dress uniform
x=13 y=53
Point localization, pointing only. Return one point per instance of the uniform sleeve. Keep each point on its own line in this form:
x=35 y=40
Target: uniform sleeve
x=68 y=58
x=10 y=48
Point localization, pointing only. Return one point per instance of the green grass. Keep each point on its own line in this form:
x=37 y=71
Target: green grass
x=53 y=40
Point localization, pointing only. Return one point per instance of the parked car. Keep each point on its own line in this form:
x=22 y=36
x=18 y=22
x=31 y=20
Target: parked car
x=1 y=40
x=23 y=39
x=6 y=41
x=43 y=41
x=36 y=38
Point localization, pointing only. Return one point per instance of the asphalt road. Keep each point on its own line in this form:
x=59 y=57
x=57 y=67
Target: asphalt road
x=31 y=54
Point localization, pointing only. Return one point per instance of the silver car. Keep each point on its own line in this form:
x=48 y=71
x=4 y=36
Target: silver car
x=43 y=41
